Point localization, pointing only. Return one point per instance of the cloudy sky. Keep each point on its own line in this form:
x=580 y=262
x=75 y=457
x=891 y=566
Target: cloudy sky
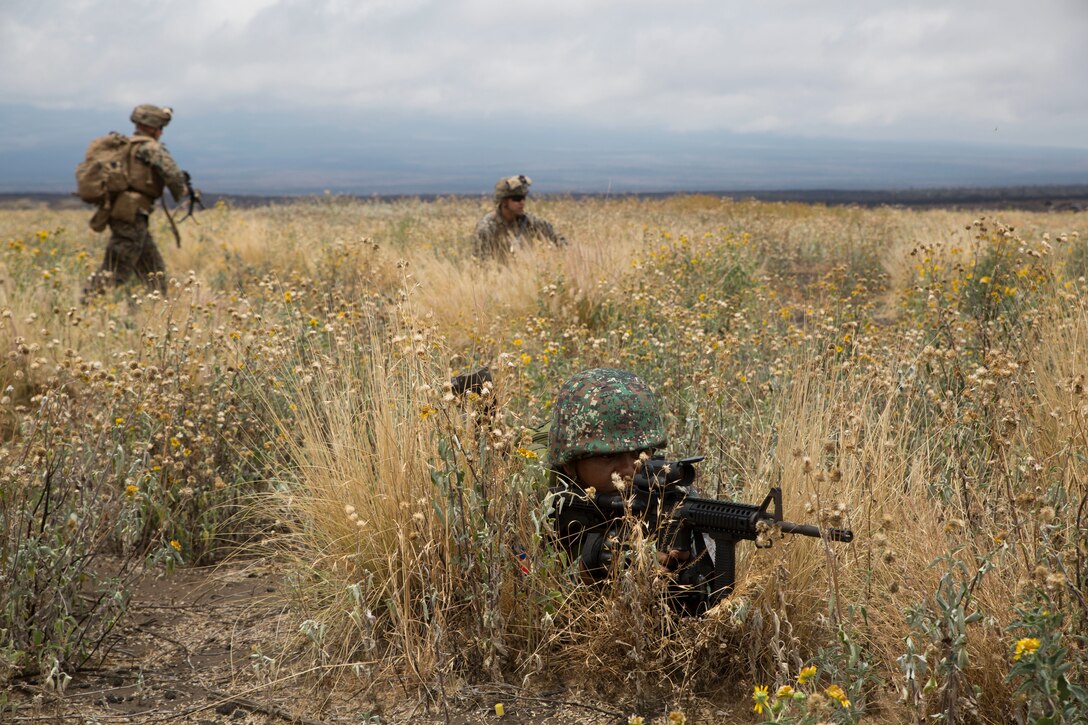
x=426 y=96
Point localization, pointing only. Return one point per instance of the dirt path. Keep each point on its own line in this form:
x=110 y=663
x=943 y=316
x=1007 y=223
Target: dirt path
x=184 y=653
x=193 y=649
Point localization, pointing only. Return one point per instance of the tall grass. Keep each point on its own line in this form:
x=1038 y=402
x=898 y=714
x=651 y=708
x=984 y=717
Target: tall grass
x=915 y=376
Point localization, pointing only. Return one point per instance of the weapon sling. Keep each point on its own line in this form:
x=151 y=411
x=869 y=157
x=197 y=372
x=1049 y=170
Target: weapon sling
x=173 y=225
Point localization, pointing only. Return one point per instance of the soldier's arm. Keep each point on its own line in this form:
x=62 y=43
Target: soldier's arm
x=161 y=160
x=483 y=240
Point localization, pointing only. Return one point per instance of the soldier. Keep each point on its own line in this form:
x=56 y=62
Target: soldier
x=131 y=250
x=508 y=229
x=603 y=421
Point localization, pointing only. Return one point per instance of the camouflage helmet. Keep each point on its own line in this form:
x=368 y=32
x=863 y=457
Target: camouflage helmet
x=512 y=186
x=600 y=412
x=151 y=116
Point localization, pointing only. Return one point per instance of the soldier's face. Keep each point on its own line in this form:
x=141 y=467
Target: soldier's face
x=597 y=471
x=515 y=205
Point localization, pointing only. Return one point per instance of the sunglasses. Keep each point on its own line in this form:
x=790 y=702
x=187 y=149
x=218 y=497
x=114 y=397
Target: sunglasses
x=520 y=197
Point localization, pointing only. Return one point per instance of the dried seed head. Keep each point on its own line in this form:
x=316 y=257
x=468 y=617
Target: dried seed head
x=1055 y=581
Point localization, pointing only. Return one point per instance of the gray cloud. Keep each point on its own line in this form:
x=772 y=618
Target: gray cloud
x=926 y=70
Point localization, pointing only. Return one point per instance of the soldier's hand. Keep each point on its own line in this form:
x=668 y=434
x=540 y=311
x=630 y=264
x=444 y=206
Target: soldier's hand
x=672 y=559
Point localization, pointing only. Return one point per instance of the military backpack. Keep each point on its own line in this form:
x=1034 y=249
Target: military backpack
x=112 y=175
x=103 y=170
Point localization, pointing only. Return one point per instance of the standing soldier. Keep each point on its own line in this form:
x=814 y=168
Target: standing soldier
x=508 y=229
x=131 y=250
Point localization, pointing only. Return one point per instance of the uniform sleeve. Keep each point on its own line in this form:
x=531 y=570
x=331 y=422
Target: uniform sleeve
x=483 y=240
x=159 y=158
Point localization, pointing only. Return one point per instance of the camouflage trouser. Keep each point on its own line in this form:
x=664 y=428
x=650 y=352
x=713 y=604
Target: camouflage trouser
x=131 y=252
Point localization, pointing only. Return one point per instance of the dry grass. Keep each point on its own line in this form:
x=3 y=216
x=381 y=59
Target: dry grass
x=916 y=376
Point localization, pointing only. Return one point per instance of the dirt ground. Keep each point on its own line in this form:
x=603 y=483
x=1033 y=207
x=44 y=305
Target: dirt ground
x=187 y=650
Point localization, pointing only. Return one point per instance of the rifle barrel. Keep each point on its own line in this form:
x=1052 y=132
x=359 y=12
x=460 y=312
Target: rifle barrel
x=843 y=535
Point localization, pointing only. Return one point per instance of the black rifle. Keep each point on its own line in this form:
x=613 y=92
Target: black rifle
x=658 y=499
x=193 y=196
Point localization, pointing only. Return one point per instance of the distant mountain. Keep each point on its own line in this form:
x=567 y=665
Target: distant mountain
x=1039 y=198
x=297 y=154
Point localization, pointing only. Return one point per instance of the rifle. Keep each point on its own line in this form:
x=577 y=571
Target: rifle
x=195 y=199
x=659 y=500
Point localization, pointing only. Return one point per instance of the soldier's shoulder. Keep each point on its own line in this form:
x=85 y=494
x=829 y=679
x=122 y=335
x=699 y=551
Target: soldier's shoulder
x=148 y=147
x=488 y=221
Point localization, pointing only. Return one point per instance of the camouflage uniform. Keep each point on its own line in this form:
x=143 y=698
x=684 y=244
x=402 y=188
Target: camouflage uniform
x=496 y=239
x=131 y=252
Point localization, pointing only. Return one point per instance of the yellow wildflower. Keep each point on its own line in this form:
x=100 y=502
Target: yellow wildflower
x=759 y=694
x=784 y=691
x=835 y=693
x=806 y=674
x=131 y=490
x=526 y=358
x=677 y=718
x=175 y=544
x=426 y=411
x=526 y=453
x=1025 y=646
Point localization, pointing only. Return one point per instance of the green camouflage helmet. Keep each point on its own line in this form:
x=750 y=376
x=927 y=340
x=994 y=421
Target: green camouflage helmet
x=603 y=411
x=512 y=186
x=151 y=116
